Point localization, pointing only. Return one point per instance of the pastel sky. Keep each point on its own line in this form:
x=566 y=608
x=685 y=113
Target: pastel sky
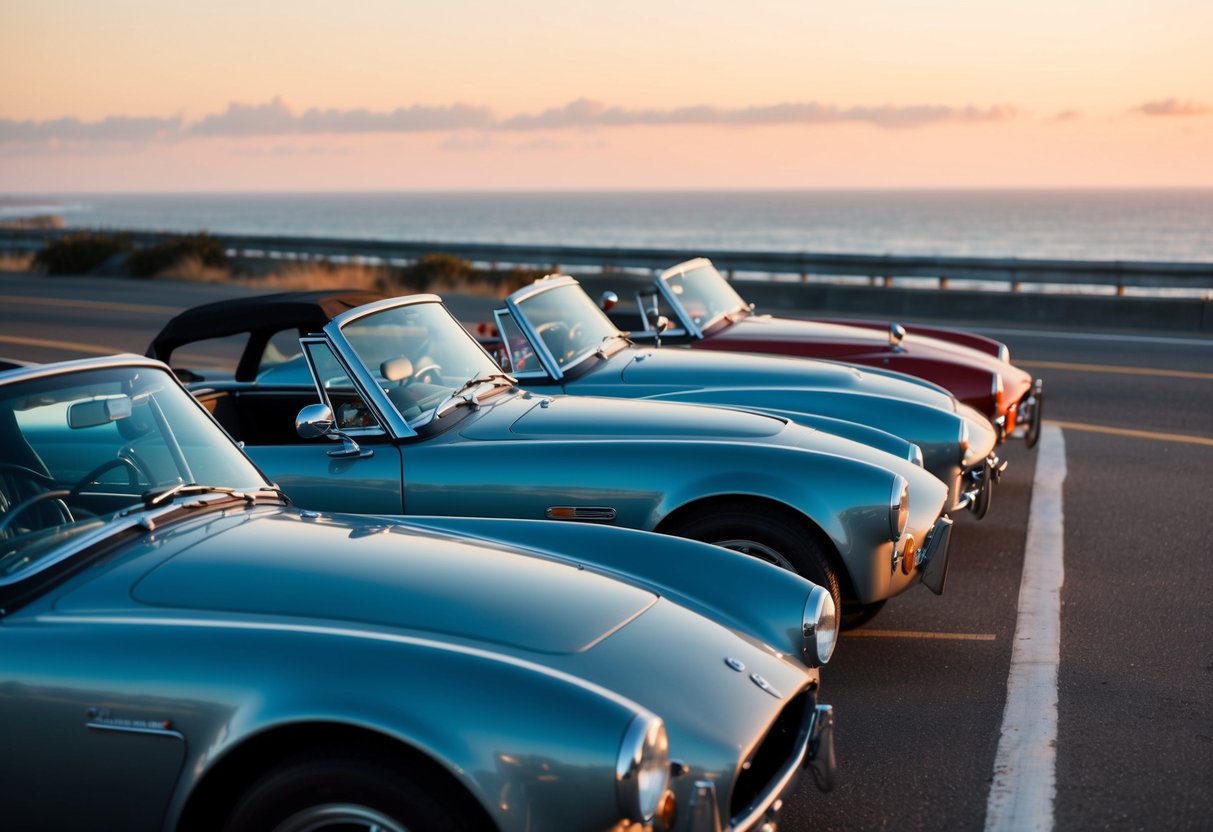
x=250 y=95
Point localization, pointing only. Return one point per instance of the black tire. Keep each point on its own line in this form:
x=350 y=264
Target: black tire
x=1032 y=434
x=341 y=791
x=855 y=614
x=773 y=536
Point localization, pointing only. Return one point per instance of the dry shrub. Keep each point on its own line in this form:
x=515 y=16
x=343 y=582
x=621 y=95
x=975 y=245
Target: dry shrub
x=196 y=269
x=320 y=275
x=16 y=261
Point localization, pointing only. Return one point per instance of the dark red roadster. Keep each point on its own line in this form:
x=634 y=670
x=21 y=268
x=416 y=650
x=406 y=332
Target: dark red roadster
x=693 y=304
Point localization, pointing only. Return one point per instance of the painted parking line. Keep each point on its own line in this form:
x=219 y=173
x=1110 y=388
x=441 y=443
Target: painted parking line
x=91 y=304
x=918 y=634
x=1116 y=369
x=1131 y=433
x=1025 y=767
x=58 y=344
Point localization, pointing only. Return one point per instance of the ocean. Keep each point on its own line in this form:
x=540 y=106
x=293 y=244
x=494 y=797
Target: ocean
x=1150 y=225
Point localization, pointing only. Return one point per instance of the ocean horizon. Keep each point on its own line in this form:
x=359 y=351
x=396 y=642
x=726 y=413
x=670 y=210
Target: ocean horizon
x=1158 y=225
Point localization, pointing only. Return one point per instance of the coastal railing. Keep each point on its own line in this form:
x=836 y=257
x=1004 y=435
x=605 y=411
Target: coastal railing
x=877 y=268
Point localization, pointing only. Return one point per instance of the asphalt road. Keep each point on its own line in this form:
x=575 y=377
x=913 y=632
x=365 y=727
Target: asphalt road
x=920 y=692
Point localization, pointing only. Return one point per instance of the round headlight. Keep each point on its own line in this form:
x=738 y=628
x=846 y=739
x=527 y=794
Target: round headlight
x=914 y=454
x=642 y=772
x=899 y=507
x=820 y=626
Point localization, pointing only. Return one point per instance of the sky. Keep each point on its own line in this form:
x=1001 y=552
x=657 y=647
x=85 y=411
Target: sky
x=261 y=95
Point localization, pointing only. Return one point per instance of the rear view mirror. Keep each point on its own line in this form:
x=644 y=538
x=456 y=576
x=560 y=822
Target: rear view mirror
x=98 y=412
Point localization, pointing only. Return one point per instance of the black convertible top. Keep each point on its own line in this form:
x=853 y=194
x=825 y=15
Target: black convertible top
x=261 y=316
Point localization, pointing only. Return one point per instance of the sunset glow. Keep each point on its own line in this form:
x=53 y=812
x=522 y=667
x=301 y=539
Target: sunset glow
x=140 y=95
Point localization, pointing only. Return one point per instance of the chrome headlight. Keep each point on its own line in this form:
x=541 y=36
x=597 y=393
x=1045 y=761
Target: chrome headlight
x=914 y=454
x=899 y=507
x=997 y=392
x=1004 y=353
x=963 y=439
x=820 y=626
x=642 y=772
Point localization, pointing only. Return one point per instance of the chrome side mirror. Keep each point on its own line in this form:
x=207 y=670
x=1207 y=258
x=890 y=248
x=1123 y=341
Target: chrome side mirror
x=896 y=333
x=314 y=421
x=608 y=300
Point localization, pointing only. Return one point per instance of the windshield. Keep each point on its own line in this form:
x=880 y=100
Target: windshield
x=569 y=323
x=77 y=448
x=703 y=295
x=419 y=354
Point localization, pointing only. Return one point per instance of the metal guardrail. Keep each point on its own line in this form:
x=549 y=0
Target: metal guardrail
x=877 y=267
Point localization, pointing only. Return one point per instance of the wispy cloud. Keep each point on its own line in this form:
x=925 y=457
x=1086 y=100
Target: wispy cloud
x=111 y=129
x=587 y=113
x=278 y=118
x=1173 y=107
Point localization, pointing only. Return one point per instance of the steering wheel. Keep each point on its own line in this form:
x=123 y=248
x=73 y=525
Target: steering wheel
x=134 y=470
x=427 y=372
x=44 y=481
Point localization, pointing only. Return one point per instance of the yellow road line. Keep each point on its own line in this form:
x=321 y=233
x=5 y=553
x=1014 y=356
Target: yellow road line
x=1136 y=434
x=919 y=634
x=57 y=344
x=93 y=304
x=1114 y=368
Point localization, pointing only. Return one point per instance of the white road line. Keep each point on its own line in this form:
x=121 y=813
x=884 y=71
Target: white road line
x=1092 y=336
x=1025 y=784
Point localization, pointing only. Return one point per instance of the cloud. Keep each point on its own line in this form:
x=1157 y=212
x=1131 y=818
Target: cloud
x=111 y=129
x=1173 y=107
x=585 y=113
x=278 y=118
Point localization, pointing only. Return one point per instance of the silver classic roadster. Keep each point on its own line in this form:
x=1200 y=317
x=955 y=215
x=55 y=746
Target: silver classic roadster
x=426 y=423
x=181 y=650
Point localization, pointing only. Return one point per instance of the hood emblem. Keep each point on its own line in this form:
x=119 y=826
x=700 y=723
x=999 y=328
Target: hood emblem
x=763 y=684
x=736 y=664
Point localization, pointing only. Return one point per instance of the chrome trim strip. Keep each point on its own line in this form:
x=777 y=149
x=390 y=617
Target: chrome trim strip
x=131 y=729
x=380 y=305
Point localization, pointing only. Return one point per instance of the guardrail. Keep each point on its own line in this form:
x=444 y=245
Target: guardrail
x=876 y=267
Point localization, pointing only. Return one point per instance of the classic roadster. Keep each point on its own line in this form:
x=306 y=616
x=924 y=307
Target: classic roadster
x=704 y=310
x=553 y=336
x=182 y=650
x=429 y=424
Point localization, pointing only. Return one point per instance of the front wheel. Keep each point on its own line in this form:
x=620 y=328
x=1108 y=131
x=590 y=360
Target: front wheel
x=347 y=793
x=786 y=542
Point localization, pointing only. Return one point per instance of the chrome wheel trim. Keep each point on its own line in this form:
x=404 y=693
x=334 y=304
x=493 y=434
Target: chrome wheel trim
x=758 y=550
x=343 y=816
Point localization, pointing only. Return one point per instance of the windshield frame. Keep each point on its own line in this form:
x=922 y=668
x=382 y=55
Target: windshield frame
x=554 y=369
x=672 y=298
x=16 y=585
x=368 y=386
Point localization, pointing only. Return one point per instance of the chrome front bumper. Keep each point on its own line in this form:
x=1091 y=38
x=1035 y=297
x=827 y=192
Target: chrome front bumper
x=977 y=485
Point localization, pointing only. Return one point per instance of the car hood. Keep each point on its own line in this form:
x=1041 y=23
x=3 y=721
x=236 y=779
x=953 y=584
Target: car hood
x=589 y=416
x=682 y=369
x=377 y=573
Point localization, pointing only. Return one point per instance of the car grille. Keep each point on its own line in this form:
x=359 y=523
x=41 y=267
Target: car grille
x=783 y=746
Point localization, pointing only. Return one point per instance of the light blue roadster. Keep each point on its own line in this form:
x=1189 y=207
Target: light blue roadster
x=554 y=337
x=428 y=424
x=181 y=650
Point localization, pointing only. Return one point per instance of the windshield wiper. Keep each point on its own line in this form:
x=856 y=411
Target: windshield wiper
x=159 y=496
x=466 y=392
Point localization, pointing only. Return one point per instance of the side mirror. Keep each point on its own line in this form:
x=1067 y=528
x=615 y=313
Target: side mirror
x=662 y=324
x=314 y=421
x=608 y=300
